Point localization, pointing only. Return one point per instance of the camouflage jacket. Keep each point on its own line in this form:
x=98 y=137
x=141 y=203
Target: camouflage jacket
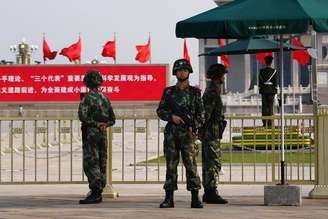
x=96 y=107
x=189 y=99
x=214 y=111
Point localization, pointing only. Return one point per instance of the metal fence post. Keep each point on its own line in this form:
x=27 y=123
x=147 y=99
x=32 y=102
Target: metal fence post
x=108 y=190
x=65 y=139
x=320 y=190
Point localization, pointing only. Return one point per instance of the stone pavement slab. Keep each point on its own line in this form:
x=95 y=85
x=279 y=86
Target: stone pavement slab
x=142 y=201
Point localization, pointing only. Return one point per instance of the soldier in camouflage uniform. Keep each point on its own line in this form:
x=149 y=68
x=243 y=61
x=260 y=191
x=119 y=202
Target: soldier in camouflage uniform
x=96 y=114
x=179 y=135
x=268 y=89
x=211 y=153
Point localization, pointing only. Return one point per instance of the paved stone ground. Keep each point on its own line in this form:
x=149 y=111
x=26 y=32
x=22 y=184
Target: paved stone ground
x=141 y=201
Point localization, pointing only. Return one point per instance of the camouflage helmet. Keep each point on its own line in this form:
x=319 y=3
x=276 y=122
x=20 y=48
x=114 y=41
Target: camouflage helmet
x=181 y=64
x=92 y=78
x=216 y=71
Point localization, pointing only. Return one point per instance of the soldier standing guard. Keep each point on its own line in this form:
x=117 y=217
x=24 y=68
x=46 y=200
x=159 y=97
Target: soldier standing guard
x=96 y=114
x=268 y=89
x=181 y=107
x=212 y=133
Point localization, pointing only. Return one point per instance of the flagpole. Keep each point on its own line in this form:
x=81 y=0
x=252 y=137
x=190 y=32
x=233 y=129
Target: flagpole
x=81 y=51
x=44 y=37
x=184 y=45
x=257 y=87
x=149 y=49
x=115 y=47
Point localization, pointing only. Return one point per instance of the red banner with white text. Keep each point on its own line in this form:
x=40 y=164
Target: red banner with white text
x=62 y=83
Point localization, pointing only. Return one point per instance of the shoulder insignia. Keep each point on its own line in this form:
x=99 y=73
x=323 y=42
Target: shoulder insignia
x=196 y=89
x=167 y=89
x=216 y=91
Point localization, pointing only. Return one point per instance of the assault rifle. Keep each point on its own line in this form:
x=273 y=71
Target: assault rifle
x=184 y=114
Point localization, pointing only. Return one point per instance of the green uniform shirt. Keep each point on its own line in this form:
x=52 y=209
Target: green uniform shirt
x=264 y=76
x=214 y=111
x=95 y=107
x=190 y=99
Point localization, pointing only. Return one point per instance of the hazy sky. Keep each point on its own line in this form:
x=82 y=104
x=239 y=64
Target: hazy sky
x=97 y=20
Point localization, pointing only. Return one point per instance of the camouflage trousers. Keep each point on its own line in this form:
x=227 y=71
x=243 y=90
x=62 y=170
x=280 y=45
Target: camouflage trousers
x=178 y=140
x=211 y=160
x=94 y=157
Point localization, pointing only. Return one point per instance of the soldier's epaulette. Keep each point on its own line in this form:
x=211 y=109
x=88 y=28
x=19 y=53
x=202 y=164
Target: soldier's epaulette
x=215 y=90
x=167 y=89
x=196 y=89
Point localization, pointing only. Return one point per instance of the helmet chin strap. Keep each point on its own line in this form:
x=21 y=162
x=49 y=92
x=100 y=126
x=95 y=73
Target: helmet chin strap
x=183 y=79
x=219 y=81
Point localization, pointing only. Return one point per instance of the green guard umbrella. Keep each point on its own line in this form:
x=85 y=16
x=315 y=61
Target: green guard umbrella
x=245 y=18
x=250 y=46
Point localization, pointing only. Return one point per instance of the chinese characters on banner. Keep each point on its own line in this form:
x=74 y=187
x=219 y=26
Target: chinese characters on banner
x=65 y=83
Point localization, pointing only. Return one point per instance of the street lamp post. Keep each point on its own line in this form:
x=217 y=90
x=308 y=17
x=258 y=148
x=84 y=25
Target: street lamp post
x=23 y=52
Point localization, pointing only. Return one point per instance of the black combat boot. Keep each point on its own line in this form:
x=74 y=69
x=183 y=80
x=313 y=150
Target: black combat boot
x=211 y=196
x=168 y=201
x=94 y=198
x=195 y=202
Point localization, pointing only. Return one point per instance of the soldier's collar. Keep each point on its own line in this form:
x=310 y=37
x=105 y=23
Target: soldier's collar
x=214 y=85
x=186 y=87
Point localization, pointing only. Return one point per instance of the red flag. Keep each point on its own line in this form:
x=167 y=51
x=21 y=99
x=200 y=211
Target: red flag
x=109 y=50
x=302 y=56
x=185 y=51
x=260 y=56
x=224 y=58
x=47 y=53
x=73 y=52
x=143 y=52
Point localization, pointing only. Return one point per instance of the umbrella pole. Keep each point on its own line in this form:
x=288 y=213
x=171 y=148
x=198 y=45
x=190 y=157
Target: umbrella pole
x=282 y=124
x=313 y=80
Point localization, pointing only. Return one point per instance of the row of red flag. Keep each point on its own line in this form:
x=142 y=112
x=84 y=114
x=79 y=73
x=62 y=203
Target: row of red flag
x=224 y=59
x=73 y=52
x=302 y=56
